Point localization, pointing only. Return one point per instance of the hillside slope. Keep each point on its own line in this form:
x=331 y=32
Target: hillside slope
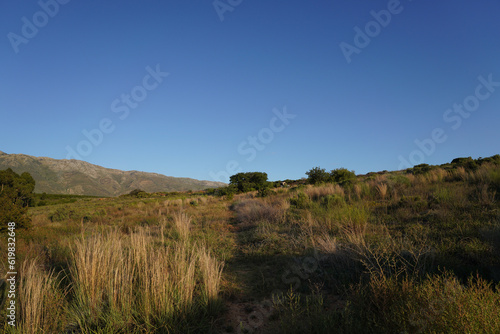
x=82 y=178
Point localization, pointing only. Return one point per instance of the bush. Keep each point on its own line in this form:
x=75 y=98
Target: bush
x=59 y=215
x=246 y=182
x=301 y=202
x=416 y=202
x=439 y=304
x=264 y=192
x=495 y=180
x=343 y=176
x=138 y=193
x=16 y=194
x=228 y=191
x=330 y=201
x=467 y=163
x=399 y=181
x=420 y=169
x=251 y=211
x=317 y=175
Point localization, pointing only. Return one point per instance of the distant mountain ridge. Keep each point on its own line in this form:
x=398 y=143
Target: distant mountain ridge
x=77 y=177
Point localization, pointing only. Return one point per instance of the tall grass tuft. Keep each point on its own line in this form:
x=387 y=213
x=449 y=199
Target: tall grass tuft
x=131 y=283
x=326 y=243
x=317 y=192
x=41 y=302
x=438 y=304
x=358 y=190
x=382 y=190
x=102 y=280
x=211 y=271
x=251 y=211
x=182 y=223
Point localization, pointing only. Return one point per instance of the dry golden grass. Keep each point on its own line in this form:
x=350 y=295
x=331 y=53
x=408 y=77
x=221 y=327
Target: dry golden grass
x=280 y=206
x=436 y=175
x=248 y=195
x=411 y=178
x=182 y=224
x=317 y=192
x=102 y=275
x=40 y=303
x=380 y=178
x=326 y=243
x=176 y=202
x=382 y=190
x=138 y=279
x=40 y=220
x=358 y=190
x=486 y=196
x=483 y=174
x=211 y=270
x=118 y=278
x=251 y=211
x=461 y=174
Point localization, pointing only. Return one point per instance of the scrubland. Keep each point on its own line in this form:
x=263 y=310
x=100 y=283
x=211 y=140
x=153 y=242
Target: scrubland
x=413 y=251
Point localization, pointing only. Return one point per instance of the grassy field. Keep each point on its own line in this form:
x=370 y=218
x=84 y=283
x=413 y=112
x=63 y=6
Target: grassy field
x=399 y=252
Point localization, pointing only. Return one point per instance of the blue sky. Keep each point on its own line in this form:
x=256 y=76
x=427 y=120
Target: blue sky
x=359 y=98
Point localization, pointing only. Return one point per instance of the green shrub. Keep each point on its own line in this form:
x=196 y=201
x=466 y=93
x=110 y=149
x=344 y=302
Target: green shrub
x=60 y=214
x=317 y=175
x=246 y=182
x=442 y=195
x=138 y=193
x=420 y=169
x=415 y=202
x=343 y=176
x=16 y=194
x=397 y=180
x=495 y=180
x=303 y=314
x=439 y=304
x=467 y=163
x=228 y=191
x=301 y=201
x=330 y=201
x=264 y=192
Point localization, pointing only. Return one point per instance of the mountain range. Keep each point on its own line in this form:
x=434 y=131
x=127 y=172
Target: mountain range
x=77 y=177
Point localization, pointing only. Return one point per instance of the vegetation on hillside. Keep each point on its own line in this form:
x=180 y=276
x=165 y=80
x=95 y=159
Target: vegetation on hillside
x=16 y=194
x=82 y=178
x=413 y=251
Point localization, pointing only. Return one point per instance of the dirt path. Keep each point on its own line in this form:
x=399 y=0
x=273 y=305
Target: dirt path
x=247 y=311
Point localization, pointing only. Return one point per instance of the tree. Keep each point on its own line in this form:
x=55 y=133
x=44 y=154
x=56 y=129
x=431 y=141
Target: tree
x=467 y=163
x=245 y=182
x=16 y=194
x=317 y=175
x=139 y=193
x=343 y=176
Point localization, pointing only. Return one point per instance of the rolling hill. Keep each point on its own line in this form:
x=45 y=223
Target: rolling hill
x=77 y=177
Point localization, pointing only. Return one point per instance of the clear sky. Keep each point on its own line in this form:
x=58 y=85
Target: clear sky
x=205 y=89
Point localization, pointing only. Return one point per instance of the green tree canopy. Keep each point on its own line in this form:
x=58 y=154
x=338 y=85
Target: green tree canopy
x=343 y=176
x=317 y=175
x=16 y=194
x=249 y=181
